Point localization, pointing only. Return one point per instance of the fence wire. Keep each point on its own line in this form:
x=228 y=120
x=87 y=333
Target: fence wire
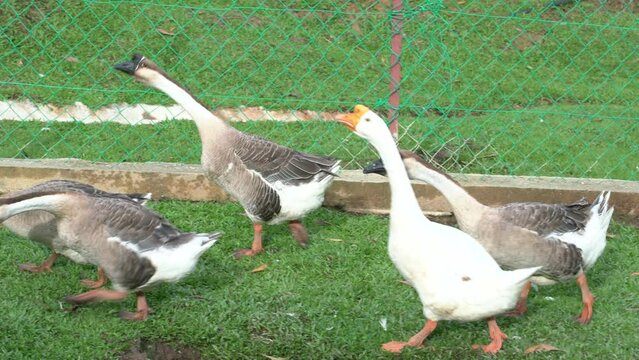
x=492 y=87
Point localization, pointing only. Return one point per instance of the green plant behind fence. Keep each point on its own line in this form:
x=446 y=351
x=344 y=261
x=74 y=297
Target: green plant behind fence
x=507 y=87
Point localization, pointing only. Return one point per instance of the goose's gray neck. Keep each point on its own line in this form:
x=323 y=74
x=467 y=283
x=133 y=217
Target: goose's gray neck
x=209 y=126
x=466 y=208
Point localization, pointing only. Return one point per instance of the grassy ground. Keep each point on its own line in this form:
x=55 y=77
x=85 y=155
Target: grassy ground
x=507 y=87
x=321 y=303
x=533 y=144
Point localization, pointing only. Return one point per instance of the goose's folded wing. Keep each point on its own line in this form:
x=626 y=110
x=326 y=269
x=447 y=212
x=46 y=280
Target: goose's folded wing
x=546 y=219
x=279 y=163
x=135 y=225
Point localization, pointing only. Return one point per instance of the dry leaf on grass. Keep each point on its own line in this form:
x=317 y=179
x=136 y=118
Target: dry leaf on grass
x=273 y=357
x=165 y=32
x=635 y=274
x=260 y=268
x=72 y=59
x=334 y=239
x=540 y=348
x=405 y=282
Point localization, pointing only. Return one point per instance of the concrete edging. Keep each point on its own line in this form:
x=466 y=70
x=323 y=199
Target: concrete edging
x=352 y=191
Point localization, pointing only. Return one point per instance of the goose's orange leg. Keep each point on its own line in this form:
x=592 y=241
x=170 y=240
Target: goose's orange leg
x=45 y=266
x=257 y=243
x=96 y=295
x=587 y=298
x=299 y=232
x=415 y=341
x=102 y=279
x=142 y=311
x=521 y=306
x=496 y=335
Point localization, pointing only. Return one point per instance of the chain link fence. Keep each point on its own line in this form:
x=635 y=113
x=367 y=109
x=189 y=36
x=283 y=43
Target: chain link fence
x=491 y=87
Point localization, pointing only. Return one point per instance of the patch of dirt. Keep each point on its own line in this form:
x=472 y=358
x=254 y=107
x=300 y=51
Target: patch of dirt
x=143 y=349
x=627 y=220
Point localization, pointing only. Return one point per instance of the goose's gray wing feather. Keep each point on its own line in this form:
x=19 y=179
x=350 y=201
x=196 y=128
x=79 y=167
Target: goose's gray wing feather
x=137 y=225
x=515 y=247
x=75 y=186
x=278 y=163
x=546 y=219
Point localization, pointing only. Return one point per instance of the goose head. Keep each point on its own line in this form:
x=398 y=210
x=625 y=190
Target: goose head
x=365 y=123
x=142 y=69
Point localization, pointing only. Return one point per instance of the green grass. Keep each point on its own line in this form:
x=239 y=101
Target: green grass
x=472 y=71
x=500 y=144
x=320 y=303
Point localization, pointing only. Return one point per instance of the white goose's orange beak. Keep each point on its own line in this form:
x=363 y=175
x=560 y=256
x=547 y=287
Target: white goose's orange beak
x=352 y=119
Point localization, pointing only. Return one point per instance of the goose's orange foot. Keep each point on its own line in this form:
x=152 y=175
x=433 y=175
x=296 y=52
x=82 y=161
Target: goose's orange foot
x=94 y=284
x=587 y=298
x=586 y=313
x=497 y=337
x=394 y=346
x=143 y=309
x=135 y=316
x=299 y=233
x=256 y=248
x=44 y=267
x=245 y=252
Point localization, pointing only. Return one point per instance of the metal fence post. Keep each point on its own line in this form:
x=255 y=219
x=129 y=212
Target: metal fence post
x=397 y=15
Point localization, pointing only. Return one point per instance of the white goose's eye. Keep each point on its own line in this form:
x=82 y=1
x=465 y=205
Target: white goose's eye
x=367 y=119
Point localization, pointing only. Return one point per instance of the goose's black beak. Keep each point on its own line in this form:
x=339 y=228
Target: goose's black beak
x=129 y=67
x=376 y=167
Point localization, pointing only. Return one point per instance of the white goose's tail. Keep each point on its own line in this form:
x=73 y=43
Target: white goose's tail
x=518 y=278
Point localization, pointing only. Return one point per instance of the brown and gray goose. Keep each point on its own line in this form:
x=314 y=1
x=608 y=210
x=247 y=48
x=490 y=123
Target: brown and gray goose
x=135 y=247
x=42 y=227
x=273 y=183
x=566 y=239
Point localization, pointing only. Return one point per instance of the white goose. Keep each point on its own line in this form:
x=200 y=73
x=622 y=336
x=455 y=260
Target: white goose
x=135 y=247
x=566 y=239
x=273 y=183
x=41 y=226
x=454 y=276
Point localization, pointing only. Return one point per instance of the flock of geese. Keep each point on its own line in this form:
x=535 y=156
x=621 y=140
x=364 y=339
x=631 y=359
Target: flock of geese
x=481 y=270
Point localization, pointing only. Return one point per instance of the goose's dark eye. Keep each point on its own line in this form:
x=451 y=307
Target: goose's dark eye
x=367 y=119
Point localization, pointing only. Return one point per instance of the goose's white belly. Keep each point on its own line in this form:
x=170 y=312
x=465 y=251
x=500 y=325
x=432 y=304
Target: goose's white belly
x=451 y=284
x=298 y=200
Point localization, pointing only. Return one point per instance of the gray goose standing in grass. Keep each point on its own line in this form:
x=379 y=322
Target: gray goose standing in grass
x=273 y=183
x=135 y=247
x=566 y=239
x=42 y=226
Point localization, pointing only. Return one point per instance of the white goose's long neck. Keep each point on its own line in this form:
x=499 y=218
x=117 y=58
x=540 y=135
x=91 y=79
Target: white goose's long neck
x=208 y=124
x=51 y=203
x=403 y=201
x=464 y=205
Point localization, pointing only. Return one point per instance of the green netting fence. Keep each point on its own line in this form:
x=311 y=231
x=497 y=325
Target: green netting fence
x=493 y=87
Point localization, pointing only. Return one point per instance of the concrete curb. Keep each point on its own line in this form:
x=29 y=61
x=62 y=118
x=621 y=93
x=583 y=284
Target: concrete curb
x=352 y=191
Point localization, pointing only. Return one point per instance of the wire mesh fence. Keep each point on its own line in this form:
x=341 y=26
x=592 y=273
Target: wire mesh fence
x=506 y=87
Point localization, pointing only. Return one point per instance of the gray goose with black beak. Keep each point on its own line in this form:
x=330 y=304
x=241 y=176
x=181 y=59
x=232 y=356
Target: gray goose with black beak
x=42 y=227
x=566 y=239
x=273 y=183
x=135 y=247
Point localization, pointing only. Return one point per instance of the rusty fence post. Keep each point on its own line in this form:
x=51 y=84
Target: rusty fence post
x=397 y=16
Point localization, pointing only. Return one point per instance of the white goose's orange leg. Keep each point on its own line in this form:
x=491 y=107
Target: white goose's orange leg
x=257 y=243
x=45 y=266
x=142 y=309
x=496 y=335
x=94 y=284
x=299 y=232
x=587 y=298
x=415 y=341
x=521 y=306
